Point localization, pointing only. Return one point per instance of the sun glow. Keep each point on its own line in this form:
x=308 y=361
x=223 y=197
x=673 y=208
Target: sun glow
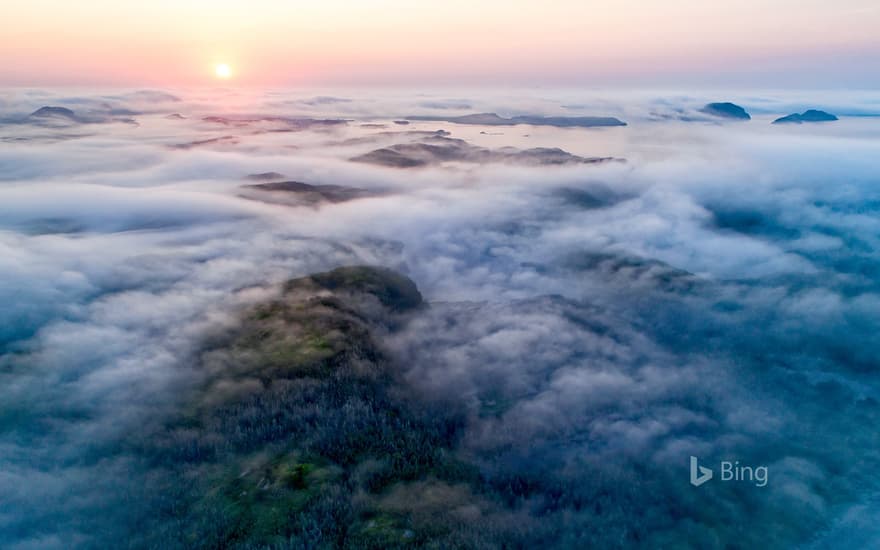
x=222 y=70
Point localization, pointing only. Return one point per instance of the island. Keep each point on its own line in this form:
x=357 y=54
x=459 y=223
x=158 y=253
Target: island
x=811 y=115
x=726 y=110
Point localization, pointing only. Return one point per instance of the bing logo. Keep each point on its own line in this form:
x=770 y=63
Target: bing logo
x=730 y=471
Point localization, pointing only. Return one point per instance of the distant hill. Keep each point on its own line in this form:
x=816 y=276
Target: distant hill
x=438 y=148
x=54 y=112
x=303 y=193
x=726 y=110
x=52 y=116
x=493 y=119
x=811 y=115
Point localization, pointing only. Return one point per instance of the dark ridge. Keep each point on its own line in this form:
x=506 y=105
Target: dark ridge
x=287 y=123
x=726 y=110
x=391 y=157
x=492 y=119
x=630 y=270
x=265 y=176
x=304 y=192
x=392 y=289
x=55 y=116
x=592 y=197
x=49 y=111
x=811 y=115
x=438 y=148
x=222 y=140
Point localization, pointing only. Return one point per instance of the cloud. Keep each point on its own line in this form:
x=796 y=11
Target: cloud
x=594 y=324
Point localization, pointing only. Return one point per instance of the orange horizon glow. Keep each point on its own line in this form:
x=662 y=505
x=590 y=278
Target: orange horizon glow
x=372 y=41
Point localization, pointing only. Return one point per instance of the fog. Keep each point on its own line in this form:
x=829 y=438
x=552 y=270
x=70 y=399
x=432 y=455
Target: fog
x=711 y=291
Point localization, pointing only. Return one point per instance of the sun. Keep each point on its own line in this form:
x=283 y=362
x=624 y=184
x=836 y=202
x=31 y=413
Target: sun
x=222 y=70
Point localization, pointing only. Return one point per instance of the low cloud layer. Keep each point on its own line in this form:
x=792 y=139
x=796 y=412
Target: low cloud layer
x=594 y=324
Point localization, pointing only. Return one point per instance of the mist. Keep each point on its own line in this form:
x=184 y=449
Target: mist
x=704 y=287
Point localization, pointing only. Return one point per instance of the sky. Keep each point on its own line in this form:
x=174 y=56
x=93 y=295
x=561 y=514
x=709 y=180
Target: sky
x=768 y=43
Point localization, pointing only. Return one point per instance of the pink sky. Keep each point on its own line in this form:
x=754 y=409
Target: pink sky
x=302 y=42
